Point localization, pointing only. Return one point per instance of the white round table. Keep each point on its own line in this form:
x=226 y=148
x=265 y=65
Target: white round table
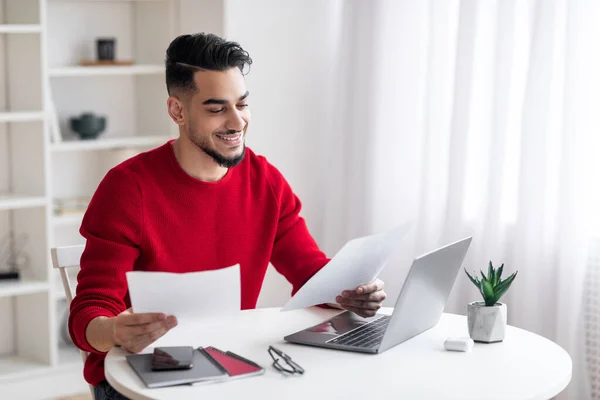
x=524 y=366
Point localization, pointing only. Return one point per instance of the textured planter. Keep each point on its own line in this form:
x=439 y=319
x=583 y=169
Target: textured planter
x=486 y=324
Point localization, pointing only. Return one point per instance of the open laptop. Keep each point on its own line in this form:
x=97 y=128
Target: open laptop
x=418 y=308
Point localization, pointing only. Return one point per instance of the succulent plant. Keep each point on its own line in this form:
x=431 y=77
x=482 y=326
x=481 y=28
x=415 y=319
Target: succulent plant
x=491 y=286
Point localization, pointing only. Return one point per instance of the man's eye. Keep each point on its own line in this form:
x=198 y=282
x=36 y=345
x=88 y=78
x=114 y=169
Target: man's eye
x=242 y=105
x=216 y=111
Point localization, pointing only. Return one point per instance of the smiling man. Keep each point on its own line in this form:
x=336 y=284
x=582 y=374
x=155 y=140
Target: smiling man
x=201 y=202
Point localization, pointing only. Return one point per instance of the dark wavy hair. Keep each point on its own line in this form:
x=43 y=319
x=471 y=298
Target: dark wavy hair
x=201 y=51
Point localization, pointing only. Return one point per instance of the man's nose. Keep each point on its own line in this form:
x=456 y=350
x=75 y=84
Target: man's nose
x=236 y=122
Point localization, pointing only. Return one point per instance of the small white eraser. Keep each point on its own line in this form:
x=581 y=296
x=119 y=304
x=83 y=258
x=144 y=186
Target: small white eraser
x=459 y=344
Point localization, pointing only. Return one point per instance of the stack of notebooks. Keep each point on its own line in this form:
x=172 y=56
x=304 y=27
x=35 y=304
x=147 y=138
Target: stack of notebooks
x=209 y=365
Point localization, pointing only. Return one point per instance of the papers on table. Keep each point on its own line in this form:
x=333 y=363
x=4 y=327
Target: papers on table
x=191 y=295
x=360 y=261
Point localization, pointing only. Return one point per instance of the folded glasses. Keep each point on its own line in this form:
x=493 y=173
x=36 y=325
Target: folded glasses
x=288 y=365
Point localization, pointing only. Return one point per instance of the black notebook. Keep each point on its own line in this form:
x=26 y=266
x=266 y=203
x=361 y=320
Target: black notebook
x=205 y=369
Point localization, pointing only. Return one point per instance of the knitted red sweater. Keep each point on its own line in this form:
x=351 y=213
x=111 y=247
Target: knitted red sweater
x=148 y=214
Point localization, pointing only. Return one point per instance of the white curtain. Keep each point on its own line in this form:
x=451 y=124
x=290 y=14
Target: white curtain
x=471 y=118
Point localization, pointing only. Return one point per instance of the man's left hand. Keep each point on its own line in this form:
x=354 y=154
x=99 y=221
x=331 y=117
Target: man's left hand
x=365 y=300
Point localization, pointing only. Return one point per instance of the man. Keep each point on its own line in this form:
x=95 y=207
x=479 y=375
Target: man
x=201 y=202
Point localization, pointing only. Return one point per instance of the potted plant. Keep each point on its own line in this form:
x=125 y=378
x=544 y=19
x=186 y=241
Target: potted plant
x=487 y=318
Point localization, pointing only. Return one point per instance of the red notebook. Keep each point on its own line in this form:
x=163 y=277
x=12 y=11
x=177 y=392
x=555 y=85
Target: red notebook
x=233 y=364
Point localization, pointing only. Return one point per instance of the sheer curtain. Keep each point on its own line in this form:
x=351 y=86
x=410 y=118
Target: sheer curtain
x=472 y=118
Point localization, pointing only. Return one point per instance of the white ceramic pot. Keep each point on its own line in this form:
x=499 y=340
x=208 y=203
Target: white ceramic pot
x=486 y=324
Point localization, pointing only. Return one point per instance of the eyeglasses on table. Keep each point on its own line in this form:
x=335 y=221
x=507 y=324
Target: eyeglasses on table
x=289 y=366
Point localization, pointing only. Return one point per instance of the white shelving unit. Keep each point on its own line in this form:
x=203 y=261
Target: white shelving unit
x=43 y=85
x=131 y=98
x=15 y=367
x=9 y=288
x=13 y=201
x=20 y=28
x=21 y=116
x=106 y=144
x=25 y=345
x=106 y=71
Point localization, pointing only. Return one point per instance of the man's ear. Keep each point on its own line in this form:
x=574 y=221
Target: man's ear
x=175 y=108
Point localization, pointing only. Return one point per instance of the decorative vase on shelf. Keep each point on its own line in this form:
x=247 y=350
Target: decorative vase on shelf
x=88 y=125
x=106 y=49
x=487 y=319
x=13 y=257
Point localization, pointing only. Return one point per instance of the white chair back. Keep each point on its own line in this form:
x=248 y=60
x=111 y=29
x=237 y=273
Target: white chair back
x=63 y=258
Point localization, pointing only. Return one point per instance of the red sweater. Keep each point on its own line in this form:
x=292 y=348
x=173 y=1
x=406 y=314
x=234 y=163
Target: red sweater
x=148 y=214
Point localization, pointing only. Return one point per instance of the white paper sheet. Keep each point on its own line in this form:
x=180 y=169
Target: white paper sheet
x=360 y=261
x=188 y=296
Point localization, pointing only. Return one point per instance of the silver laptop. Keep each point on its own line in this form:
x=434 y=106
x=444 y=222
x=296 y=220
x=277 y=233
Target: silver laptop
x=418 y=308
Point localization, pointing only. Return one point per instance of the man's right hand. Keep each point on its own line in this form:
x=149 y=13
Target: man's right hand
x=135 y=332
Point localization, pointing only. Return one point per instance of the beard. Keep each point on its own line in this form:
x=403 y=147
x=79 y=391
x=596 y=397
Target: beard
x=221 y=160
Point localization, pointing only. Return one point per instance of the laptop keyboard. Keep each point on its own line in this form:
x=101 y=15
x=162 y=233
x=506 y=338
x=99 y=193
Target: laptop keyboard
x=365 y=336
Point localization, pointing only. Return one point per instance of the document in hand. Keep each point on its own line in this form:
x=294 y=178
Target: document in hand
x=188 y=295
x=360 y=261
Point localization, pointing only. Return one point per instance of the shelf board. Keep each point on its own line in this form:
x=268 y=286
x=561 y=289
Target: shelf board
x=110 y=143
x=67 y=220
x=107 y=70
x=16 y=287
x=21 y=116
x=20 y=28
x=111 y=1
x=15 y=201
x=12 y=367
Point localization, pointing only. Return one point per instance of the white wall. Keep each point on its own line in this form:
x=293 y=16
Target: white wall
x=201 y=16
x=290 y=68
